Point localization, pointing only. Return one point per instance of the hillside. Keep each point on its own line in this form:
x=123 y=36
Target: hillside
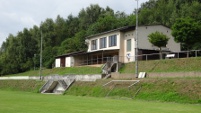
x=62 y=71
x=175 y=89
x=162 y=66
x=167 y=65
x=21 y=52
x=180 y=90
x=21 y=85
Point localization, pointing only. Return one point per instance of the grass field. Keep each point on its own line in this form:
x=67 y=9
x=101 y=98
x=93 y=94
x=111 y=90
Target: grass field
x=24 y=102
x=166 y=65
x=62 y=71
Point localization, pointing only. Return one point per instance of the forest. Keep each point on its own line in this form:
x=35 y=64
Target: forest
x=63 y=35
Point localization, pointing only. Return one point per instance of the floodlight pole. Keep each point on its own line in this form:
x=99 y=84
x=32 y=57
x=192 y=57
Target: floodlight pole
x=136 y=43
x=41 y=52
x=34 y=62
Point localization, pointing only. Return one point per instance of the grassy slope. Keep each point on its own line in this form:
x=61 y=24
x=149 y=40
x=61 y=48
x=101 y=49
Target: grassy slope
x=167 y=65
x=62 y=71
x=21 y=102
x=182 y=90
x=21 y=85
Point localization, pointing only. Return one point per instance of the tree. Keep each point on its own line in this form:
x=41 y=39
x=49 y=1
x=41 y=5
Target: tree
x=89 y=15
x=187 y=32
x=72 y=26
x=105 y=23
x=60 y=30
x=158 y=39
x=64 y=35
x=167 y=11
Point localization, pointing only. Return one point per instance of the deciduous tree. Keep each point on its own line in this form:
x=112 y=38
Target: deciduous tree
x=158 y=39
x=187 y=31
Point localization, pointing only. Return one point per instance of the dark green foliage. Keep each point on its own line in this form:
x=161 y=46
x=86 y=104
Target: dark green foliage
x=187 y=31
x=167 y=11
x=158 y=39
x=60 y=36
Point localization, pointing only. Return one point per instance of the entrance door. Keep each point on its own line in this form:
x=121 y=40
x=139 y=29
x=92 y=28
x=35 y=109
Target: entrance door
x=63 y=62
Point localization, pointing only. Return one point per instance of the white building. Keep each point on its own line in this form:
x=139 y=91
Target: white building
x=118 y=42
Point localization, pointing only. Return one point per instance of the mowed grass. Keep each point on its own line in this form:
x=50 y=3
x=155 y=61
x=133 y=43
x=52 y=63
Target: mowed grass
x=84 y=70
x=165 y=65
x=24 y=102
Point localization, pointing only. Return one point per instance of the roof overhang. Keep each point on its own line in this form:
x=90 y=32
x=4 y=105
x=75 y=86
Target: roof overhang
x=72 y=54
x=121 y=29
x=103 y=50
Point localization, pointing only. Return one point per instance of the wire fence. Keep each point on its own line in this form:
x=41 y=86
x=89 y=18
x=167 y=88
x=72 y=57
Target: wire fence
x=170 y=55
x=143 y=57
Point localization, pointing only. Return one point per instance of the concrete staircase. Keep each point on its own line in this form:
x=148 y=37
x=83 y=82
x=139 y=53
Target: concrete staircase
x=108 y=67
x=56 y=86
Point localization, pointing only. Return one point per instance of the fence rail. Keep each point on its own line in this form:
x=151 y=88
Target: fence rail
x=169 y=55
x=144 y=57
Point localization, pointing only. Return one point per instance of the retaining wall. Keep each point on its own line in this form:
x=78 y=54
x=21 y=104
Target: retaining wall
x=117 y=75
x=76 y=77
x=55 y=77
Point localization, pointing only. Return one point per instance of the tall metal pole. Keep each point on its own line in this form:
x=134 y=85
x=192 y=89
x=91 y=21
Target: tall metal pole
x=136 y=43
x=41 y=52
x=34 y=62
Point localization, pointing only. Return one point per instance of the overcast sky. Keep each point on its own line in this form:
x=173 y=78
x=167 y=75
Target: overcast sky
x=15 y=15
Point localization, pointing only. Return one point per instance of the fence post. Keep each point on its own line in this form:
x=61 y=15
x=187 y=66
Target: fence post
x=196 y=53
x=146 y=57
x=178 y=55
x=97 y=59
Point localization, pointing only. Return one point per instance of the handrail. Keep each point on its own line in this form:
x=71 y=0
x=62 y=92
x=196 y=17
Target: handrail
x=136 y=81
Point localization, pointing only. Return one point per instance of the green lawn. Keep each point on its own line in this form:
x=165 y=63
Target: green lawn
x=165 y=65
x=62 y=71
x=24 y=102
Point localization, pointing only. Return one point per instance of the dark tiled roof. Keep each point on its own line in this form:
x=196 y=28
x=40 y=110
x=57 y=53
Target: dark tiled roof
x=123 y=29
x=72 y=54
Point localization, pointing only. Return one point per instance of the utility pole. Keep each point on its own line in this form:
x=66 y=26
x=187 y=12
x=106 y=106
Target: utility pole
x=136 y=43
x=41 y=52
x=34 y=62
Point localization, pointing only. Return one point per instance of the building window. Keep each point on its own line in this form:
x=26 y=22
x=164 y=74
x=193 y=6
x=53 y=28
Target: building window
x=129 y=45
x=103 y=42
x=94 y=44
x=112 y=40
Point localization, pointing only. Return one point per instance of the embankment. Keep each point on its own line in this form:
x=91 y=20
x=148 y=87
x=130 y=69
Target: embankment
x=181 y=90
x=21 y=85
